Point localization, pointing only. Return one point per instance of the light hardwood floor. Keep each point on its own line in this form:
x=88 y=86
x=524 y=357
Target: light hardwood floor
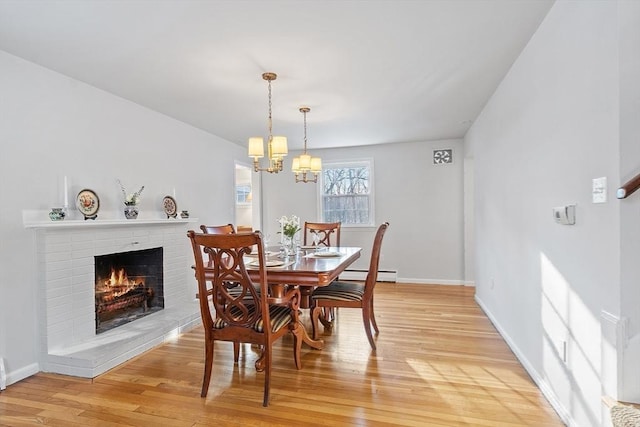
x=440 y=362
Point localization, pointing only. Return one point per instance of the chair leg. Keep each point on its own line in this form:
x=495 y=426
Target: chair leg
x=315 y=315
x=297 y=332
x=267 y=374
x=366 y=318
x=236 y=352
x=373 y=318
x=328 y=315
x=208 y=365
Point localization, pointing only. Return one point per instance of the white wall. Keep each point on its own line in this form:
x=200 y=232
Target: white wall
x=629 y=372
x=53 y=126
x=549 y=129
x=423 y=203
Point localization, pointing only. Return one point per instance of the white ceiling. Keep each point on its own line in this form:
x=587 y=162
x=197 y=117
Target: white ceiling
x=372 y=71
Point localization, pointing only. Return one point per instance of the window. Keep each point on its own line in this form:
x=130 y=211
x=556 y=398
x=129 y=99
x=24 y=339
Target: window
x=346 y=193
x=243 y=193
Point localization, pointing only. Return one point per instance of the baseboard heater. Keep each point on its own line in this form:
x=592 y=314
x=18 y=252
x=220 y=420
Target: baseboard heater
x=383 y=275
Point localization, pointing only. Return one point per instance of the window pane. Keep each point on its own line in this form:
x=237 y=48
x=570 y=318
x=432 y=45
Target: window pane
x=346 y=193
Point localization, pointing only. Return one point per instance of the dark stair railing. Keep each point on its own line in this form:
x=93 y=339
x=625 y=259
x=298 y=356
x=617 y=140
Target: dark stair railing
x=629 y=187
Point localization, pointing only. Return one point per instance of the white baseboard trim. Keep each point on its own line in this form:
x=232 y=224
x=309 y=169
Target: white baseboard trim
x=20 y=374
x=383 y=275
x=392 y=276
x=431 y=281
x=544 y=387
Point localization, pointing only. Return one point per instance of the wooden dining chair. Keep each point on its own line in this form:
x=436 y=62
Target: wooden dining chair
x=248 y=317
x=218 y=229
x=351 y=294
x=323 y=230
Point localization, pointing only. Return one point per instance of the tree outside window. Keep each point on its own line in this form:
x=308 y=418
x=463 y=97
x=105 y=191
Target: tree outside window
x=346 y=193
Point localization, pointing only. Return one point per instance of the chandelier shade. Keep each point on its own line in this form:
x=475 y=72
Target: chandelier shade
x=256 y=147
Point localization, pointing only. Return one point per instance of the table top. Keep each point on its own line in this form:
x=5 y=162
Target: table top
x=307 y=268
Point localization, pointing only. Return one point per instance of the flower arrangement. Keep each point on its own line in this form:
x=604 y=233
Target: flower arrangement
x=131 y=199
x=289 y=226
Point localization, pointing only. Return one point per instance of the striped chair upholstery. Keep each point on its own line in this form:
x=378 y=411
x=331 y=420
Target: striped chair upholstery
x=280 y=317
x=340 y=291
x=351 y=294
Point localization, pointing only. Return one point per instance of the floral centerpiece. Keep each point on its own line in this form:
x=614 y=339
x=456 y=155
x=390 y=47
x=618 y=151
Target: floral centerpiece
x=289 y=226
x=131 y=201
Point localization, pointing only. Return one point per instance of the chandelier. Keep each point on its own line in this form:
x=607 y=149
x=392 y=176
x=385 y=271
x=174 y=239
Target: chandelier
x=304 y=164
x=276 y=145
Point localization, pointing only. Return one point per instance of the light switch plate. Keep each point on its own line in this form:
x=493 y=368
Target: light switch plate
x=599 y=190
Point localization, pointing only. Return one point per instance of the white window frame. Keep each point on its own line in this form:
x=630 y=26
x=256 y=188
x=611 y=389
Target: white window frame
x=367 y=162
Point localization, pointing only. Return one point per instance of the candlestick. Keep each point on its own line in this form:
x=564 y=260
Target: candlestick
x=65 y=201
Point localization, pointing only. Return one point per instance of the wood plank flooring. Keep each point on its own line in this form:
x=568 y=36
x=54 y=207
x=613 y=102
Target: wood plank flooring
x=439 y=362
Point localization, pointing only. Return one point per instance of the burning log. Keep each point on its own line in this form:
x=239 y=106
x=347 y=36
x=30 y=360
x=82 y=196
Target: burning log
x=137 y=295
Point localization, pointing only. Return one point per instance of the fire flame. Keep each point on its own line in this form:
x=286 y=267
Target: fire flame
x=117 y=284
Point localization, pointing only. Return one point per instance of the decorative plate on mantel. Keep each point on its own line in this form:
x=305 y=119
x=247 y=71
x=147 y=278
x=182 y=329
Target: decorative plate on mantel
x=88 y=203
x=170 y=206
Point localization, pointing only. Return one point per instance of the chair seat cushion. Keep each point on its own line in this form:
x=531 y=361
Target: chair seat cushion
x=339 y=291
x=280 y=317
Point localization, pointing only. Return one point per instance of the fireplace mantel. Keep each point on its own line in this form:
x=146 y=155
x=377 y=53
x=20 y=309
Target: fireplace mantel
x=75 y=223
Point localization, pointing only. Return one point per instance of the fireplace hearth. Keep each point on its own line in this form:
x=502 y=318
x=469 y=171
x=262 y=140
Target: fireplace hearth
x=128 y=286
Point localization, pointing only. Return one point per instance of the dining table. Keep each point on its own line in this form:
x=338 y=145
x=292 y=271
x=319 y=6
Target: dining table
x=308 y=268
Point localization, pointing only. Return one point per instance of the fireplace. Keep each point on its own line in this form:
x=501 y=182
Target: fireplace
x=66 y=253
x=128 y=286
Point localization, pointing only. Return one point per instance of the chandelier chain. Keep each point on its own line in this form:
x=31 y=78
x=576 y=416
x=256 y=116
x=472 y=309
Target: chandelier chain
x=270 y=120
x=305 y=131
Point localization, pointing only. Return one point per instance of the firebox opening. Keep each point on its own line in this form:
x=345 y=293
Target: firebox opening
x=128 y=286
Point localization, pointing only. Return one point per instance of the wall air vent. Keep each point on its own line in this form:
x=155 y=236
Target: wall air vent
x=442 y=157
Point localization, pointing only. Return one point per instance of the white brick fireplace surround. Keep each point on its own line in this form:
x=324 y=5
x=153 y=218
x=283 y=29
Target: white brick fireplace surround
x=68 y=343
